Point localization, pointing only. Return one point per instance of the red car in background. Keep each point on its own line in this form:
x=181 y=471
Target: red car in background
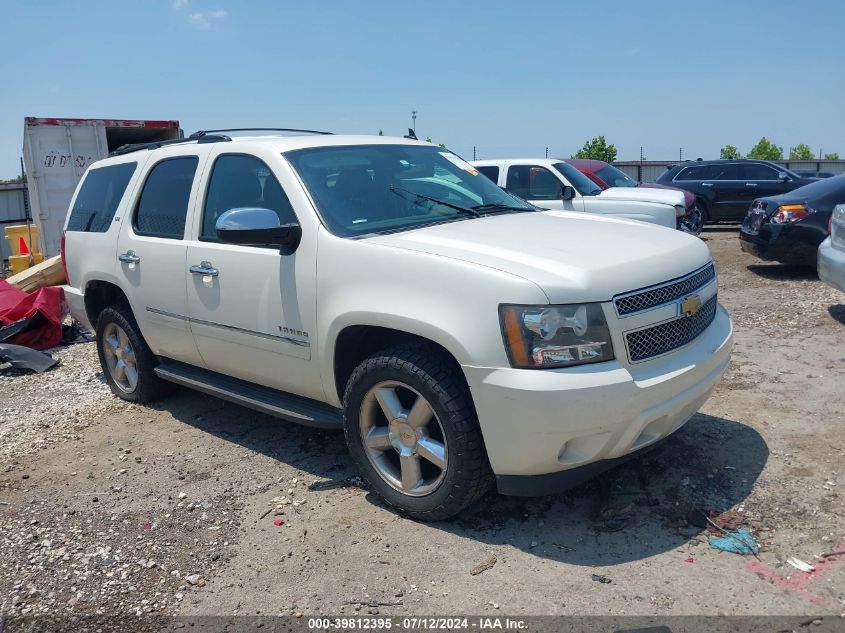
x=606 y=175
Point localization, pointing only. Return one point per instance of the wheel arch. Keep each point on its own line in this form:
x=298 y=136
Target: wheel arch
x=99 y=295
x=354 y=343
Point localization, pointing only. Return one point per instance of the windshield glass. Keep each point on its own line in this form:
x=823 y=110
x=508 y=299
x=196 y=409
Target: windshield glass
x=582 y=184
x=366 y=189
x=615 y=177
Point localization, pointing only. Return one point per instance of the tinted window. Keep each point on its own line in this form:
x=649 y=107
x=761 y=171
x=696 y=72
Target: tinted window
x=367 y=189
x=615 y=177
x=533 y=183
x=98 y=198
x=697 y=172
x=242 y=181
x=164 y=201
x=491 y=171
x=728 y=172
x=756 y=171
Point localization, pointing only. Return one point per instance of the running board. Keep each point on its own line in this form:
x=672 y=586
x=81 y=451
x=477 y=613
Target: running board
x=264 y=399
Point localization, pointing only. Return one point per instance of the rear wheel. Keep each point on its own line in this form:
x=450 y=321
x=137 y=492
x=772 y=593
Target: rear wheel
x=412 y=430
x=127 y=361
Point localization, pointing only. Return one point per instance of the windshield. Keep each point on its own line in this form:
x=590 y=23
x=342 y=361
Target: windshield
x=615 y=177
x=582 y=184
x=366 y=189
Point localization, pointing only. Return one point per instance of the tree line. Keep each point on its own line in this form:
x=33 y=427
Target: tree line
x=598 y=148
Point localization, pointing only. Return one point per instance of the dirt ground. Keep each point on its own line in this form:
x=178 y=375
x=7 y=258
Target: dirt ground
x=107 y=508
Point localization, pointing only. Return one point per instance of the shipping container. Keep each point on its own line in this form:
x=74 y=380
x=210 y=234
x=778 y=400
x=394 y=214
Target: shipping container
x=58 y=151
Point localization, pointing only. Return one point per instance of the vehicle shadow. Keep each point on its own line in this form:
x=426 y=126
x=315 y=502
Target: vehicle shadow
x=632 y=512
x=838 y=312
x=783 y=272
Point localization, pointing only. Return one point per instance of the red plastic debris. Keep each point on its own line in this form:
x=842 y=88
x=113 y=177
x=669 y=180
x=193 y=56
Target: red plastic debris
x=689 y=560
x=148 y=526
x=279 y=521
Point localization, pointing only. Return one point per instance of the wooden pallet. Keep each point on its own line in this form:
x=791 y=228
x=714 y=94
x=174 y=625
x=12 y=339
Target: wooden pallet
x=48 y=273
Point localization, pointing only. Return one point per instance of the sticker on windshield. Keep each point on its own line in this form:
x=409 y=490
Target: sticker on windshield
x=459 y=162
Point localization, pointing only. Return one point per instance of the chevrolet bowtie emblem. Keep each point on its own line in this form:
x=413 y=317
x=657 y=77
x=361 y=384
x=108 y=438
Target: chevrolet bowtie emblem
x=690 y=305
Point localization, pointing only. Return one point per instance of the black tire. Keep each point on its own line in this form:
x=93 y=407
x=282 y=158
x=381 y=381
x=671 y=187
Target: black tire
x=149 y=386
x=425 y=369
x=705 y=212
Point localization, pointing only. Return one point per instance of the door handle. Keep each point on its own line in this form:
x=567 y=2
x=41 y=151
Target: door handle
x=129 y=257
x=707 y=184
x=751 y=184
x=205 y=269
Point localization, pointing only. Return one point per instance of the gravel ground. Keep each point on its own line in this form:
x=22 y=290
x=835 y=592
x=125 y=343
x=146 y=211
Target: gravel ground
x=195 y=507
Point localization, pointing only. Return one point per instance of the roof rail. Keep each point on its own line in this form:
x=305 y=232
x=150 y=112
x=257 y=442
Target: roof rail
x=203 y=133
x=136 y=147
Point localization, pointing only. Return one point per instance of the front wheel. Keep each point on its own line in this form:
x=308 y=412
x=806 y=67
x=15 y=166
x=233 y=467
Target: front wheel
x=412 y=430
x=692 y=222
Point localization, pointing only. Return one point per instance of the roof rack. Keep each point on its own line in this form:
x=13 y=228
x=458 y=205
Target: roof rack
x=203 y=133
x=136 y=147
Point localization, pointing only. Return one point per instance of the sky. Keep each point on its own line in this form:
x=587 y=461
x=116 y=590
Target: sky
x=506 y=78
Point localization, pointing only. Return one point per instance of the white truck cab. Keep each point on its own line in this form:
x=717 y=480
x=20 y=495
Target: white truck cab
x=457 y=334
x=553 y=184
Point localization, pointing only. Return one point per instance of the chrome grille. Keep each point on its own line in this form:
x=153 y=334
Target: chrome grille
x=657 y=340
x=655 y=296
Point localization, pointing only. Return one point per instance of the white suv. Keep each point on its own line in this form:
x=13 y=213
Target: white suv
x=382 y=285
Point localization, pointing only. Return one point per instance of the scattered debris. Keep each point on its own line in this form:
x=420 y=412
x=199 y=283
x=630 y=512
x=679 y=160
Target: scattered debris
x=278 y=522
x=837 y=553
x=21 y=357
x=602 y=579
x=689 y=560
x=800 y=565
x=484 y=565
x=739 y=542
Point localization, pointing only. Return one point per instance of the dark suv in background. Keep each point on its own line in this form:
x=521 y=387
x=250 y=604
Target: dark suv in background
x=725 y=189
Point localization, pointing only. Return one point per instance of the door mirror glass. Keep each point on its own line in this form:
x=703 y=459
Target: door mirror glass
x=567 y=193
x=255 y=226
x=783 y=176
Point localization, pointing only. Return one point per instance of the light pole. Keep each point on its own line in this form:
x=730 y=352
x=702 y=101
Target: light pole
x=414 y=119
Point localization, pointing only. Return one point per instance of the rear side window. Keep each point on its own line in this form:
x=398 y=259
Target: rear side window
x=163 y=205
x=238 y=180
x=99 y=198
x=697 y=172
x=491 y=171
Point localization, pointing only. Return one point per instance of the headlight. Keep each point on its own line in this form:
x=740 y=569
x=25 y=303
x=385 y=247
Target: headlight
x=555 y=336
x=680 y=210
x=838 y=216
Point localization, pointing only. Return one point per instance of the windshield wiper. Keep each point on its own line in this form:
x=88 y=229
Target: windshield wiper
x=462 y=210
x=497 y=206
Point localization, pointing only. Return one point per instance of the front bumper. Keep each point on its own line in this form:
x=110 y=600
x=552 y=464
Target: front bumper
x=832 y=265
x=539 y=423
x=786 y=243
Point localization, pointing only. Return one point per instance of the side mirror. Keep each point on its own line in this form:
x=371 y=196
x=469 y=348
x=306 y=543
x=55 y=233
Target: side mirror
x=252 y=226
x=567 y=193
x=783 y=176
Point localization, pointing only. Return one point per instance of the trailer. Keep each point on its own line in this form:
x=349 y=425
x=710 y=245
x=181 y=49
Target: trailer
x=58 y=151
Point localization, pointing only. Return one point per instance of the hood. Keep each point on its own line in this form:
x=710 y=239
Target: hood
x=689 y=197
x=643 y=194
x=573 y=257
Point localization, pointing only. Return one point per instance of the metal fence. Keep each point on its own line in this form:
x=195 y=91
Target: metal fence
x=649 y=170
x=12 y=211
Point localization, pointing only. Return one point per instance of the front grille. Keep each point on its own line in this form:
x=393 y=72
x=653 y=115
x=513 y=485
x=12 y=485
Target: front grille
x=657 y=340
x=650 y=298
